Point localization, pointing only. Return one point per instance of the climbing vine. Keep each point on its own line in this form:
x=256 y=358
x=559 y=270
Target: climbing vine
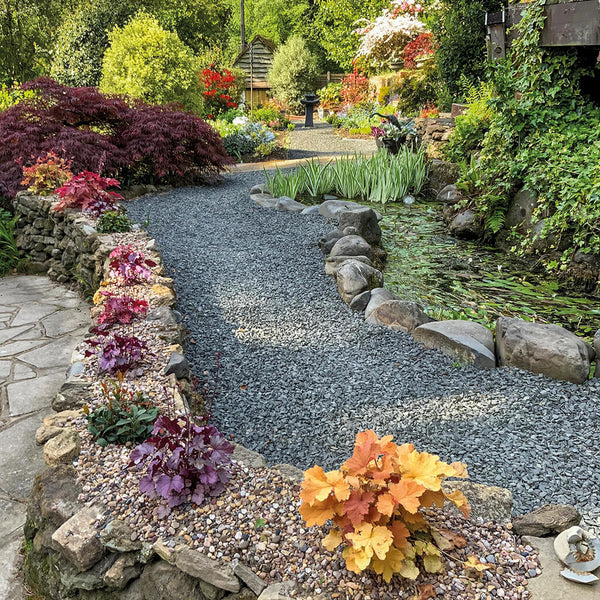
x=544 y=136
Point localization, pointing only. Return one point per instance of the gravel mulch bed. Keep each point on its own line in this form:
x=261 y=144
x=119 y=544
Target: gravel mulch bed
x=301 y=375
x=322 y=140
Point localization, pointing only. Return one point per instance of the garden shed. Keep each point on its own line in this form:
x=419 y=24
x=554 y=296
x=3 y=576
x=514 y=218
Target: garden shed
x=256 y=60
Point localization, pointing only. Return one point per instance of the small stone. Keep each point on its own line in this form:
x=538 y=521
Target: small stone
x=64 y=448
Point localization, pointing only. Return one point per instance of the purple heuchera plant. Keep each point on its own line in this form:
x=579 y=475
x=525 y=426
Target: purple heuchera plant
x=117 y=353
x=185 y=460
x=129 y=266
x=121 y=309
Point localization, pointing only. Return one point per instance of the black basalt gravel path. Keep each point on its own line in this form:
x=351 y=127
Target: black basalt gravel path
x=301 y=374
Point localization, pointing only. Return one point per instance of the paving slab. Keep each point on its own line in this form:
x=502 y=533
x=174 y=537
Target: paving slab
x=550 y=585
x=31 y=395
x=41 y=323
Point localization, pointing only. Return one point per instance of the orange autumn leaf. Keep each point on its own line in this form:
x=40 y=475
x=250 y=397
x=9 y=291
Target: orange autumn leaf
x=430 y=498
x=318 y=485
x=426 y=591
x=367 y=448
x=401 y=534
x=475 y=566
x=454 y=539
x=357 y=506
x=386 y=504
x=390 y=565
x=332 y=540
x=373 y=540
x=423 y=468
x=407 y=494
x=460 y=501
x=318 y=513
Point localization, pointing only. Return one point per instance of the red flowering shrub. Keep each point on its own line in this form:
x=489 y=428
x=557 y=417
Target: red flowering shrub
x=217 y=90
x=355 y=88
x=421 y=46
x=89 y=192
x=106 y=135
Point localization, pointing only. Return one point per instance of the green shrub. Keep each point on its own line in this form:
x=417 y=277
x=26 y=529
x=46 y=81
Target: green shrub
x=330 y=95
x=9 y=253
x=9 y=96
x=113 y=221
x=82 y=41
x=125 y=417
x=271 y=117
x=414 y=89
x=148 y=62
x=294 y=72
x=471 y=126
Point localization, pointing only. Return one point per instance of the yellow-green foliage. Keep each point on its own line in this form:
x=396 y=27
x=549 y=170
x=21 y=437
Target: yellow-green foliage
x=9 y=96
x=148 y=62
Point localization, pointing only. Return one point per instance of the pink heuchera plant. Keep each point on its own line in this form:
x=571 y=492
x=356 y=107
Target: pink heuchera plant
x=121 y=309
x=128 y=266
x=88 y=191
x=117 y=353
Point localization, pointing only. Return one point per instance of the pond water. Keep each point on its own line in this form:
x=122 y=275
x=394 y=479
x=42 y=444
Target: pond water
x=457 y=279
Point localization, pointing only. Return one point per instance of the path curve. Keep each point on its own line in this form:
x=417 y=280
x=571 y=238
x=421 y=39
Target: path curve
x=301 y=374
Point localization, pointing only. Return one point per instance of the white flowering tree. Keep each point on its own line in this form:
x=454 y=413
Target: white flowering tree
x=384 y=39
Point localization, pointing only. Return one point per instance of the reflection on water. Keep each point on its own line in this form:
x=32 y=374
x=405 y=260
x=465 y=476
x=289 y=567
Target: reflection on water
x=456 y=279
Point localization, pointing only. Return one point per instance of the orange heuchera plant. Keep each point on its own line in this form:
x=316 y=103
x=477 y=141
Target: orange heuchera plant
x=374 y=502
x=46 y=174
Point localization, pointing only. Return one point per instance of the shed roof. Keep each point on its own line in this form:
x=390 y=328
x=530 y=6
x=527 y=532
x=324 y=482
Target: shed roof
x=267 y=43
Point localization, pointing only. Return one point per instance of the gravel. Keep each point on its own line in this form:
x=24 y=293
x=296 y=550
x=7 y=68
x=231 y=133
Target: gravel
x=323 y=141
x=301 y=375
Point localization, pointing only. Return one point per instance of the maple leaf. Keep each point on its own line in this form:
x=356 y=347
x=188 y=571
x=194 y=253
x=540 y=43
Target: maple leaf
x=401 y=534
x=357 y=506
x=447 y=540
x=332 y=540
x=407 y=494
x=318 y=513
x=368 y=447
x=409 y=569
x=318 y=485
x=372 y=539
x=475 y=566
x=389 y=566
x=460 y=501
x=424 y=468
x=356 y=560
x=386 y=504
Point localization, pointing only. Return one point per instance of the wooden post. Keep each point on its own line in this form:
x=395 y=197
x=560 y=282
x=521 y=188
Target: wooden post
x=242 y=25
x=251 y=80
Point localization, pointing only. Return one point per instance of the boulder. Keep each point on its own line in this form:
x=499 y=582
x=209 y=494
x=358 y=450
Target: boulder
x=547 y=520
x=441 y=174
x=547 y=349
x=470 y=342
x=349 y=231
x=77 y=539
x=264 y=200
x=378 y=297
x=64 y=448
x=351 y=245
x=178 y=366
x=250 y=578
x=399 y=315
x=364 y=221
x=330 y=209
x=311 y=210
x=215 y=573
x=449 y=195
x=162 y=581
x=332 y=263
x=43 y=433
x=520 y=213
x=117 y=536
x=359 y=303
x=327 y=242
x=490 y=503
x=541 y=242
x=259 y=189
x=125 y=568
x=73 y=394
x=465 y=225
x=288 y=204
x=279 y=591
x=354 y=277
x=166 y=321
x=249 y=457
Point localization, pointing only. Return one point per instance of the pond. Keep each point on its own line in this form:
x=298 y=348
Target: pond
x=459 y=279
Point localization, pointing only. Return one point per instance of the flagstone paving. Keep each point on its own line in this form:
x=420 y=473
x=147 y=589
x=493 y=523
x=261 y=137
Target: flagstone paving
x=41 y=322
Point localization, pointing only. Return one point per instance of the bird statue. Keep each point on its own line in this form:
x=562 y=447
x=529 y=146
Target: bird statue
x=390 y=119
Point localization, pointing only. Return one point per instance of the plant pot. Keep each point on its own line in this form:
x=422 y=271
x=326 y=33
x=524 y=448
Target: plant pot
x=390 y=144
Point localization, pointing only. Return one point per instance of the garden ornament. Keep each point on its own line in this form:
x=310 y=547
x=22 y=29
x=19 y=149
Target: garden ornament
x=580 y=553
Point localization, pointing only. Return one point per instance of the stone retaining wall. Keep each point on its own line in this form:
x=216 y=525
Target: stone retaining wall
x=434 y=134
x=63 y=244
